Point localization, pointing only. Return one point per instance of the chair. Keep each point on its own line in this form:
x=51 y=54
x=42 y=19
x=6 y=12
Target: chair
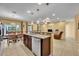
x=58 y=36
x=11 y=39
x=19 y=37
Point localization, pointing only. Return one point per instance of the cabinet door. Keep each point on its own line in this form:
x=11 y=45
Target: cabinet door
x=25 y=40
x=45 y=47
x=29 y=42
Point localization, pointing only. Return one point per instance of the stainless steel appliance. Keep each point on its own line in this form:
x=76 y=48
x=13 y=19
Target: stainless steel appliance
x=1 y=30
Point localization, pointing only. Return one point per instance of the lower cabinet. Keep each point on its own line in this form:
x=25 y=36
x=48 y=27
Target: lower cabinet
x=28 y=41
x=39 y=46
x=45 y=46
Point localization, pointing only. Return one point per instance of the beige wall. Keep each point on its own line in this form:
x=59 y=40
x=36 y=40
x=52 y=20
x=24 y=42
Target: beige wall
x=76 y=29
x=15 y=21
x=9 y=21
x=60 y=25
x=34 y=27
x=45 y=27
x=24 y=27
x=70 y=30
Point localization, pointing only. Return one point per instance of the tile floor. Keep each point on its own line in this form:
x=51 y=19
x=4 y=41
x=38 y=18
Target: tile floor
x=67 y=47
x=17 y=49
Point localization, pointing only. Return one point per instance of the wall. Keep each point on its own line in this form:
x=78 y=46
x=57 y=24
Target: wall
x=24 y=27
x=53 y=26
x=9 y=21
x=22 y=24
x=34 y=27
x=77 y=27
x=43 y=27
x=70 y=31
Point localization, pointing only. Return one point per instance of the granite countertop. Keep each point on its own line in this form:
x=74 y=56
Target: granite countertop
x=38 y=35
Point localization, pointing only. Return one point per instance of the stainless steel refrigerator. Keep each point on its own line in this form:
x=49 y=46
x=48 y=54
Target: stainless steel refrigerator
x=1 y=31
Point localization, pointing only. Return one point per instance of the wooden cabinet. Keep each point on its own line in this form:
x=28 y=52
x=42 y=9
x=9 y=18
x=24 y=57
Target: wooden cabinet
x=39 y=46
x=77 y=27
x=28 y=41
x=45 y=46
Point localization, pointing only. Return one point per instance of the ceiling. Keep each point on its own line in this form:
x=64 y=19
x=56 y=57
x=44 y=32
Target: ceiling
x=61 y=11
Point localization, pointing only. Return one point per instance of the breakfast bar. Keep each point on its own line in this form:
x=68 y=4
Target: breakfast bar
x=37 y=43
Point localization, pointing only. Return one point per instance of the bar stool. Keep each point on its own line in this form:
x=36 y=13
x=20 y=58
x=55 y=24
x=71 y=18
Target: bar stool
x=19 y=37
x=11 y=39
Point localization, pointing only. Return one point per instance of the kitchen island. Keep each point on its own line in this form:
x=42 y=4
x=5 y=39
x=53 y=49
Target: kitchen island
x=38 y=44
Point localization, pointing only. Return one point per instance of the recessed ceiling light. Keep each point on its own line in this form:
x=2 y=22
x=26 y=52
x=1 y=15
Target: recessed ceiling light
x=58 y=18
x=37 y=21
x=47 y=18
x=28 y=11
x=53 y=14
x=47 y=3
x=39 y=3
